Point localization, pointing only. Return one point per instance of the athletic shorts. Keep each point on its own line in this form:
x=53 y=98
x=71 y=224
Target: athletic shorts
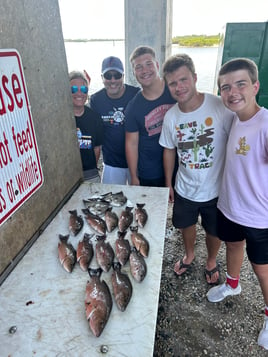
x=186 y=212
x=92 y=175
x=256 y=238
x=159 y=182
x=115 y=175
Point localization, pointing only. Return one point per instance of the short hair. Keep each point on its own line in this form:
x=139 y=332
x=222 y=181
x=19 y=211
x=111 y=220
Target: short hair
x=237 y=64
x=141 y=50
x=176 y=61
x=77 y=75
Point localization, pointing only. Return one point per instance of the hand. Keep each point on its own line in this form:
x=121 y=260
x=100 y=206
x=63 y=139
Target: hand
x=135 y=181
x=171 y=195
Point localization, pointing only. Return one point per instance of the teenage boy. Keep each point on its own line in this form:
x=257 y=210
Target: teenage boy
x=144 y=118
x=197 y=128
x=243 y=199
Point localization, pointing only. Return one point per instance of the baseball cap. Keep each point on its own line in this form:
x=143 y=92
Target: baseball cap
x=112 y=64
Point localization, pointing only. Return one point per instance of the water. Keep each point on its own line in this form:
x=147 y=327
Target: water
x=89 y=56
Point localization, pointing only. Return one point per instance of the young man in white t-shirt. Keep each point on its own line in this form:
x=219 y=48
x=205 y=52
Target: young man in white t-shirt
x=197 y=127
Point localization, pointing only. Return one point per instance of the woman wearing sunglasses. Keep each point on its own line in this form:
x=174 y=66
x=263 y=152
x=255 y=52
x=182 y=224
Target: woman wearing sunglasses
x=88 y=127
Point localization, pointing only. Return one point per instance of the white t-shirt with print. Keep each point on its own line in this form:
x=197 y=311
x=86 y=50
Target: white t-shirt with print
x=200 y=138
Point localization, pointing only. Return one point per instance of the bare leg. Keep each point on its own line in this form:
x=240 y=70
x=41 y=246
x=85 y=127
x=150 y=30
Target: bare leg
x=261 y=271
x=234 y=257
x=213 y=245
x=189 y=237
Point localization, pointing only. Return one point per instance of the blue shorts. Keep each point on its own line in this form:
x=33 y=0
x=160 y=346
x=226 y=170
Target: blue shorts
x=186 y=212
x=256 y=238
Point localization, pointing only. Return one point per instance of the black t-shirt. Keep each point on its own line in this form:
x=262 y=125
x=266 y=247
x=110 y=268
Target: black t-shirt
x=90 y=134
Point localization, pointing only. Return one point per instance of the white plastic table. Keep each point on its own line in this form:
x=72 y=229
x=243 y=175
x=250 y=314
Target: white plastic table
x=46 y=304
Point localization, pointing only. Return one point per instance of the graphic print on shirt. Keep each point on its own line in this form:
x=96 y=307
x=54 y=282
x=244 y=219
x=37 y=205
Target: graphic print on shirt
x=195 y=144
x=115 y=116
x=85 y=141
x=243 y=147
x=154 y=120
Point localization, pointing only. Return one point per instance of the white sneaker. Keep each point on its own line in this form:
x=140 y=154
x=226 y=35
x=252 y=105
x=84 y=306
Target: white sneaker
x=218 y=293
x=263 y=335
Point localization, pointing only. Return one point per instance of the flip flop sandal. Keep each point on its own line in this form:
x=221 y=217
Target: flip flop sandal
x=209 y=273
x=183 y=266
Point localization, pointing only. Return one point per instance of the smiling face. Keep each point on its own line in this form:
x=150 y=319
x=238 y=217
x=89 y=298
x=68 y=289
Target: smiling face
x=79 y=98
x=238 y=92
x=145 y=69
x=113 y=84
x=182 y=85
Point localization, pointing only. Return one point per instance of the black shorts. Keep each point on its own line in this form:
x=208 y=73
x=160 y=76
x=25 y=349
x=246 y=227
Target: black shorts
x=256 y=238
x=186 y=212
x=159 y=182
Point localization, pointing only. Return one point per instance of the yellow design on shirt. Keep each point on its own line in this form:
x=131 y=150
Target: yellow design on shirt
x=243 y=148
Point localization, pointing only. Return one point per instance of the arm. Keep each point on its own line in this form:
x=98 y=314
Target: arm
x=99 y=138
x=97 y=151
x=169 y=164
x=132 y=143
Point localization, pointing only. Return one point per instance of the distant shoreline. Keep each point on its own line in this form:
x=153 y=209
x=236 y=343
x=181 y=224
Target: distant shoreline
x=180 y=41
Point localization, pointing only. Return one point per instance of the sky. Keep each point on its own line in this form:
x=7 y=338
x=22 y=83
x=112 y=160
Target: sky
x=98 y=19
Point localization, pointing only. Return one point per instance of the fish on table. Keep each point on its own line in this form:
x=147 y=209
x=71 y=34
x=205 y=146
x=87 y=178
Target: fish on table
x=138 y=267
x=116 y=199
x=111 y=219
x=97 y=206
x=67 y=253
x=122 y=287
x=122 y=248
x=76 y=222
x=139 y=241
x=95 y=221
x=85 y=252
x=125 y=219
x=104 y=253
x=98 y=302
x=140 y=214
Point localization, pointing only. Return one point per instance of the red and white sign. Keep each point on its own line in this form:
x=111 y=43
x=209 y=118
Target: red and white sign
x=20 y=167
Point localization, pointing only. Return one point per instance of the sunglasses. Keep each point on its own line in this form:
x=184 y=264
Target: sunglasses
x=83 y=89
x=109 y=75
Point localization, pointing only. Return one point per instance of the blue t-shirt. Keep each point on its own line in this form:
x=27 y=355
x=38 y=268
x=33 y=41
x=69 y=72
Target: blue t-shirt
x=146 y=117
x=112 y=112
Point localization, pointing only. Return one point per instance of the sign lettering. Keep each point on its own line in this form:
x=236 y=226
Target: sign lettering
x=20 y=167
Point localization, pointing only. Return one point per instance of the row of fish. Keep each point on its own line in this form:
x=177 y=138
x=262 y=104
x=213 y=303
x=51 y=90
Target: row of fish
x=99 y=205
x=110 y=220
x=105 y=254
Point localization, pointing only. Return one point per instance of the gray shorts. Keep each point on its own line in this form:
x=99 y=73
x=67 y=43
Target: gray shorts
x=186 y=212
x=115 y=175
x=91 y=175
